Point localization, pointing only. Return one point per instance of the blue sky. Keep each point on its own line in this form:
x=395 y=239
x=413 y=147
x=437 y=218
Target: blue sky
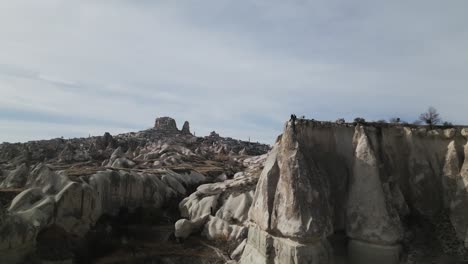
x=73 y=68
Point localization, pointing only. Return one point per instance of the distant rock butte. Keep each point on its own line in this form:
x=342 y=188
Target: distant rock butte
x=166 y=124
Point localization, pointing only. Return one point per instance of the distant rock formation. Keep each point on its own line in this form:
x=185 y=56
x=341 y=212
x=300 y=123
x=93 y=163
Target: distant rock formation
x=105 y=141
x=166 y=124
x=70 y=183
x=213 y=134
x=186 y=128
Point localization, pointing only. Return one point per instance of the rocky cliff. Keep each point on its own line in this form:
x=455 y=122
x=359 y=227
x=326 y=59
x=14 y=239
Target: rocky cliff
x=378 y=184
x=325 y=193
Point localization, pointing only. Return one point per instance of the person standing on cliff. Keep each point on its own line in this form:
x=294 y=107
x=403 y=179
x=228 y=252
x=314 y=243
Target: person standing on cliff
x=293 y=119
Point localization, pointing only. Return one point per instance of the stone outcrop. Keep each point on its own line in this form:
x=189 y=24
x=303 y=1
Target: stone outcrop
x=291 y=212
x=369 y=217
x=166 y=124
x=221 y=208
x=16 y=178
x=186 y=128
x=76 y=206
x=321 y=178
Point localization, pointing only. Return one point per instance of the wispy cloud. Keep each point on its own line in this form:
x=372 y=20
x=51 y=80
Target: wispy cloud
x=239 y=68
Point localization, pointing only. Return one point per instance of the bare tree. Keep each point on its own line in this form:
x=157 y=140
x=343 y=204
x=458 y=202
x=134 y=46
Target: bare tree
x=395 y=120
x=431 y=117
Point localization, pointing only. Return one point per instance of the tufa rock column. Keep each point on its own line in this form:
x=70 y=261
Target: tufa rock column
x=186 y=128
x=291 y=216
x=373 y=225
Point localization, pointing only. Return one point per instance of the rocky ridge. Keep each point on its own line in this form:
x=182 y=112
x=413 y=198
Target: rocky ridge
x=68 y=186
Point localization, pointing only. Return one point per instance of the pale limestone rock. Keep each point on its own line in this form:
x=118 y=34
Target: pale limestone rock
x=434 y=133
x=67 y=154
x=184 y=227
x=16 y=178
x=46 y=179
x=450 y=133
x=292 y=199
x=451 y=174
x=262 y=205
x=222 y=177
x=243 y=151
x=122 y=163
x=370 y=217
x=194 y=207
x=464 y=132
x=236 y=207
x=218 y=229
x=455 y=182
x=421 y=132
x=239 y=174
x=26 y=199
x=75 y=210
x=118 y=153
x=301 y=207
x=237 y=253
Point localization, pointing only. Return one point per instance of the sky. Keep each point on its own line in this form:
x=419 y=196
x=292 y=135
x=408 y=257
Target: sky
x=75 y=68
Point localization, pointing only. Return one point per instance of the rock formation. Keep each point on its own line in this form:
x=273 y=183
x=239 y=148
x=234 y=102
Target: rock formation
x=322 y=178
x=326 y=191
x=220 y=210
x=16 y=178
x=291 y=212
x=186 y=128
x=66 y=189
x=166 y=124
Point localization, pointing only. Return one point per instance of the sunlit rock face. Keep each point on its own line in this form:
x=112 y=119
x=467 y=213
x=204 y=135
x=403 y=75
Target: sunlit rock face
x=219 y=211
x=364 y=180
x=291 y=213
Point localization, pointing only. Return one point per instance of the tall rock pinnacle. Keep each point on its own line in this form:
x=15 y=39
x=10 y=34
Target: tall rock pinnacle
x=186 y=128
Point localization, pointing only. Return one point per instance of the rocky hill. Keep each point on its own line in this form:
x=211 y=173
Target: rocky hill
x=55 y=194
